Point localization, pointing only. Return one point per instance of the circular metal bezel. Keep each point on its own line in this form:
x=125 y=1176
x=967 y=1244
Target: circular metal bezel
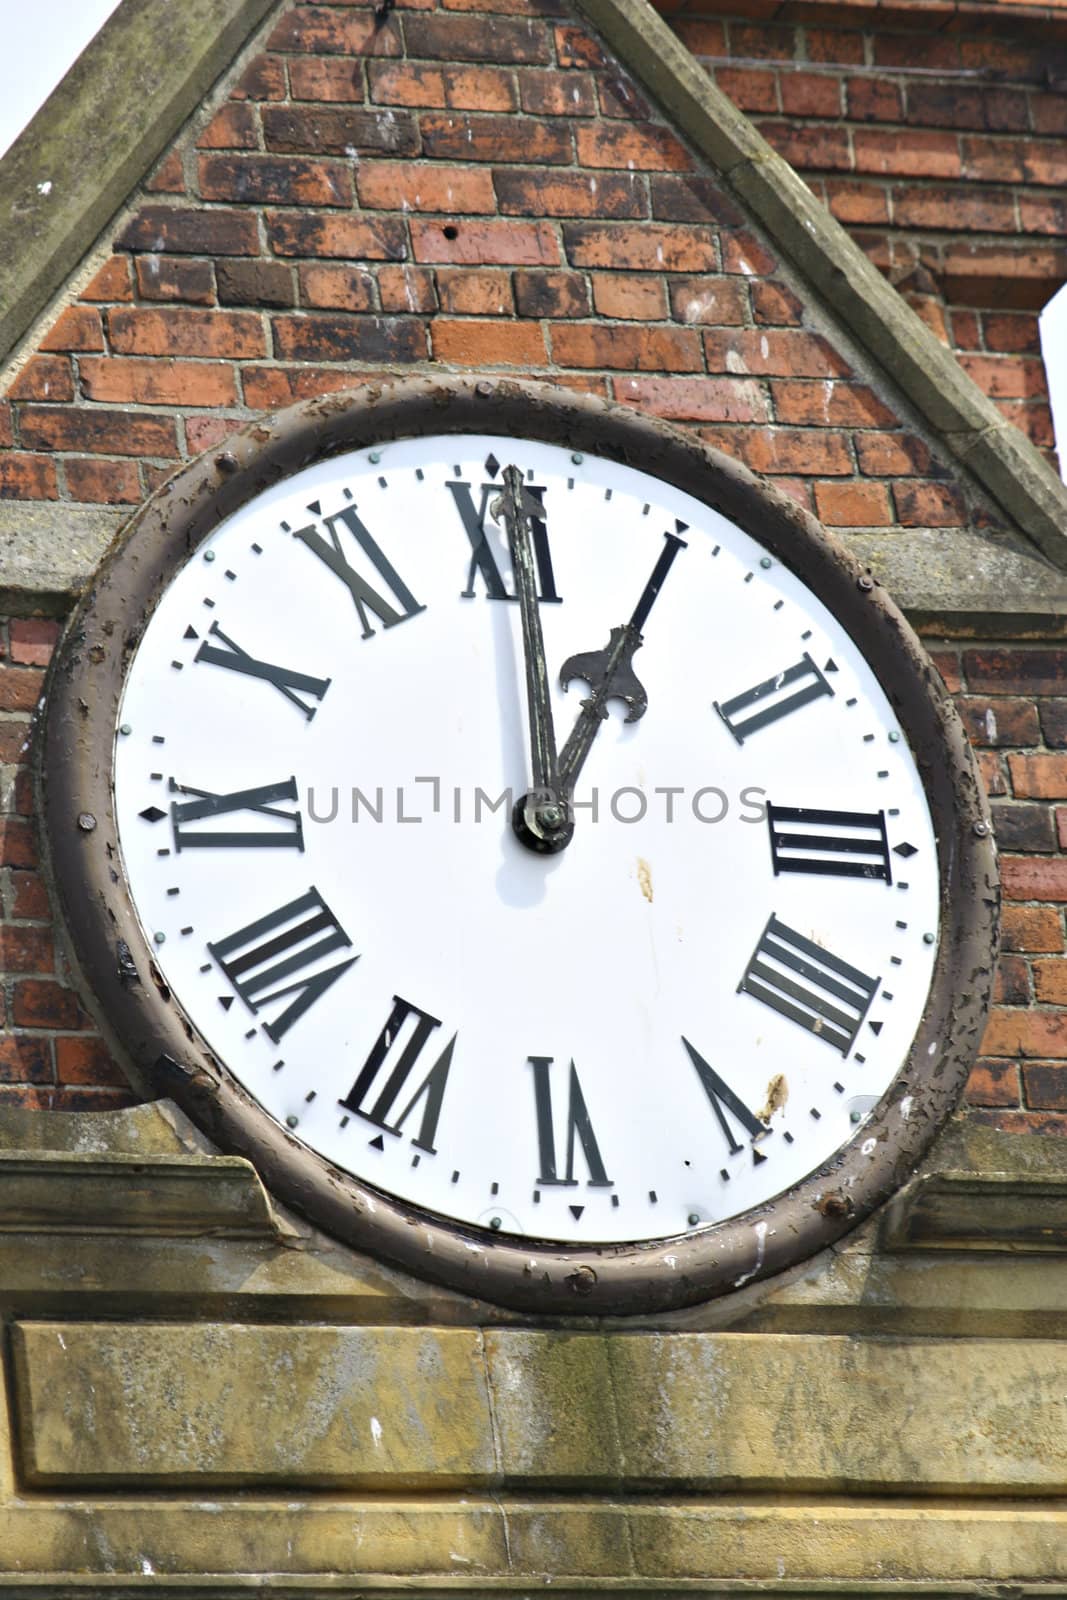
x=165 y=1054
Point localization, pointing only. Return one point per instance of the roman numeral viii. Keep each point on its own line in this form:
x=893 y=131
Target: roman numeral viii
x=774 y=698
x=279 y=955
x=578 y=1130
x=399 y=1057
x=327 y=545
x=802 y=981
x=482 y=558
x=839 y=844
x=261 y=802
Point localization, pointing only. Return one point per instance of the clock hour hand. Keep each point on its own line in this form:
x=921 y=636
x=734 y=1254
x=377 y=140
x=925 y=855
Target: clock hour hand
x=541 y=818
x=610 y=673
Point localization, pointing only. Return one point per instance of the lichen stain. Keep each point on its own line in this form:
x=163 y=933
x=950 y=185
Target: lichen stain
x=777 y=1095
x=644 y=878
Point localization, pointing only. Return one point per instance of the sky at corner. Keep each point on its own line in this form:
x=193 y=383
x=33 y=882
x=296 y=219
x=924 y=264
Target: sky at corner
x=42 y=41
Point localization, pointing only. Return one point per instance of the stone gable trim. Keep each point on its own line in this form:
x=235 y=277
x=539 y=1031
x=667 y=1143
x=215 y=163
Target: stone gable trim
x=96 y=136
x=990 y=447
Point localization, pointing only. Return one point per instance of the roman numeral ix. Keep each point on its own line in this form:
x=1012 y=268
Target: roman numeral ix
x=328 y=547
x=400 y=1059
x=839 y=844
x=279 y=955
x=802 y=981
x=482 y=558
x=260 y=801
x=774 y=698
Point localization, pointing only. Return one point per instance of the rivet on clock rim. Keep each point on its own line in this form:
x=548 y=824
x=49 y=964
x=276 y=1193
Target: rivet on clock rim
x=374 y=457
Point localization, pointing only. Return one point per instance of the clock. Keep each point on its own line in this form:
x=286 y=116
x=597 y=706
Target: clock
x=526 y=836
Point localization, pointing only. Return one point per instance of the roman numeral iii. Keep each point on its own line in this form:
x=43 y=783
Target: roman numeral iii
x=402 y=1059
x=802 y=981
x=839 y=844
x=773 y=699
x=279 y=955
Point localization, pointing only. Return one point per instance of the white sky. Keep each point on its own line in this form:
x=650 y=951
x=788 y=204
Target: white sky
x=42 y=40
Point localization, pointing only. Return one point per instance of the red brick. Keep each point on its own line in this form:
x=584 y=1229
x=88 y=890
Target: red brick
x=1031 y=928
x=24 y=1060
x=1023 y=827
x=759 y=41
x=254 y=283
x=857 y=204
x=688 y=197
x=707 y=299
x=1050 y=981
x=337 y=287
x=772 y=351
x=27 y=1099
x=1012 y=984
x=473 y=343
x=874 y=100
x=161 y=382
x=262 y=79
x=269 y=388
x=1006 y=377
x=14 y=738
x=750 y=88
x=632 y=297
x=557 y=94
x=810 y=94
x=169 y=175
x=327 y=30
x=551 y=294
x=829 y=405
x=207 y=433
x=619 y=98
x=569 y=194
x=496 y=138
x=1045 y=1085
x=354 y=238
x=1022 y=672
x=32 y=640
x=991 y=767
x=929 y=505
x=328 y=131
x=105 y=432
x=468 y=292
x=853 y=505
x=25 y=477
x=703 y=37
x=31 y=896
x=406 y=289
x=409 y=83
x=956 y=210
x=260 y=180
x=696 y=399
x=785 y=450
x=325 y=78
x=631 y=147
x=632 y=349
x=523 y=41
x=652 y=247
x=18 y=846
x=86 y=1060
x=424 y=186
x=44 y=378
x=167 y=278
x=999 y=722
x=742 y=252
x=232 y=334
x=40 y=1003
x=232 y=128
x=7 y=435
x=1039 y=777
x=480 y=243
x=835 y=46
x=912 y=154
x=1053 y=715
x=25 y=949
x=1031 y=877
x=191 y=233
x=1016 y=1033
x=575 y=48
x=97 y=482
x=340 y=338
x=1049 y=113
x=92 y=1099
x=112 y=282
x=1010 y=331
x=993 y=1083
x=76 y=328
x=808 y=145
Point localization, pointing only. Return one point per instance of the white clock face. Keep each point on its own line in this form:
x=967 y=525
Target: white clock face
x=674 y=1018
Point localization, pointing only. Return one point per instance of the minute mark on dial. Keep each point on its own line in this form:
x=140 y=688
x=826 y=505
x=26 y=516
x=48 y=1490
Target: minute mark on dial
x=286 y=680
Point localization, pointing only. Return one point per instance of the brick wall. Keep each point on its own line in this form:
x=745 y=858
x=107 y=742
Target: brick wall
x=466 y=187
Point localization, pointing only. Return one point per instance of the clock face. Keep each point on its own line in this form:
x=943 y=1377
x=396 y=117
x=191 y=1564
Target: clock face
x=547 y=868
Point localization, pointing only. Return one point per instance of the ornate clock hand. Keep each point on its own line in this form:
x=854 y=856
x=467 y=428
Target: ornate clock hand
x=610 y=674
x=541 y=818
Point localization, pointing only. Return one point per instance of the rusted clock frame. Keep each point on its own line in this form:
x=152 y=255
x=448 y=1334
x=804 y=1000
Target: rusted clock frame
x=167 y=1057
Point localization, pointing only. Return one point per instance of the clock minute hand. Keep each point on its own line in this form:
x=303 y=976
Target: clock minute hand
x=610 y=674
x=541 y=818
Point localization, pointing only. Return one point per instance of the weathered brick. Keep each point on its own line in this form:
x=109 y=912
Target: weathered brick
x=1050 y=980
x=786 y=450
x=76 y=328
x=1040 y=671
x=1053 y=715
x=1032 y=928
x=853 y=505
x=955 y=209
x=96 y=482
x=30 y=896
x=569 y=194
x=810 y=94
x=551 y=294
x=703 y=36
x=773 y=351
x=14 y=738
x=653 y=247
x=409 y=83
x=991 y=767
x=1034 y=878
x=324 y=338
x=911 y=154
x=424 y=186
x=1011 y=331
x=750 y=88
x=999 y=722
x=632 y=147
x=262 y=79
x=523 y=41
x=631 y=296
x=329 y=30
x=951 y=105
x=32 y=640
x=1012 y=986
x=269 y=388
x=336 y=287
x=325 y=78
x=7 y=431
x=262 y=180
x=44 y=378
x=708 y=299
x=234 y=127
x=474 y=343
x=1015 y=1033
x=690 y=197
x=1023 y=827
x=24 y=949
x=742 y=252
x=857 y=204
x=332 y=132
x=810 y=144
x=18 y=846
x=893 y=455
x=696 y=399
x=631 y=349
x=549 y=93
x=191 y=233
x=873 y=99
x=834 y=46
x=618 y=96
x=24 y=477
x=761 y=41
x=468 y=292
x=207 y=433
x=112 y=282
x=352 y=237
x=993 y=1083
x=830 y=405
x=107 y=432
x=86 y=1060
x=464 y=137
x=24 y=1060
x=1039 y=777
x=1045 y=1085
x=929 y=505
x=159 y=382
x=169 y=175
x=175 y=278
x=235 y=335
x=406 y=289
x=41 y=1003
x=254 y=283
x=478 y=243
x=576 y=48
